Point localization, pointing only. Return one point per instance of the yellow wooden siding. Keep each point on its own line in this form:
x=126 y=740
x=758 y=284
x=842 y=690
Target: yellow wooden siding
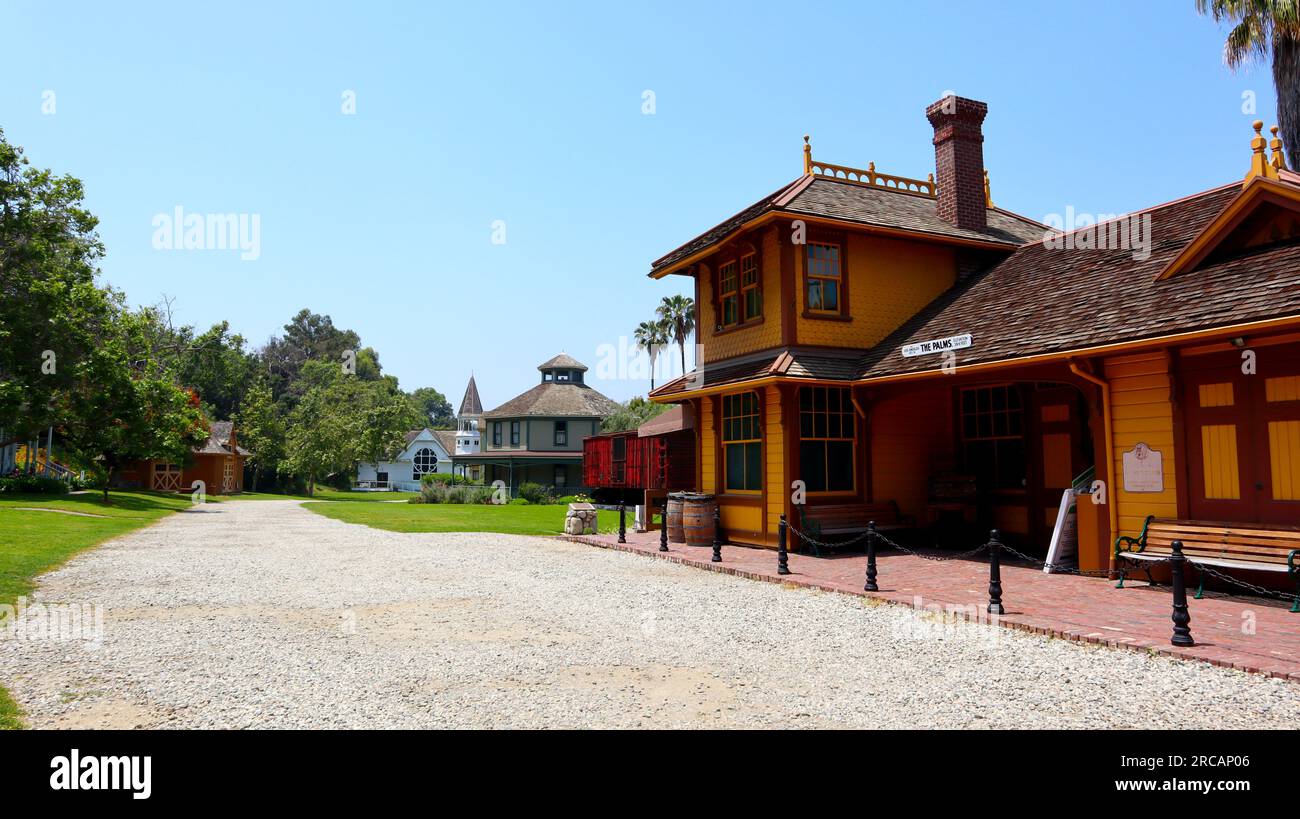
x=760 y=336
x=1219 y=451
x=737 y=518
x=1283 y=388
x=1284 y=455
x=1216 y=395
x=775 y=481
x=889 y=282
x=708 y=461
x=1141 y=412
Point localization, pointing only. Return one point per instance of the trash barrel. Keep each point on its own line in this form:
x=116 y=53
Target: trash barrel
x=697 y=518
x=674 y=523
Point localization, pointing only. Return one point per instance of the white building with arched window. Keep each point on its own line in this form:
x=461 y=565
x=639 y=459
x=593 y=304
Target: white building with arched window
x=427 y=451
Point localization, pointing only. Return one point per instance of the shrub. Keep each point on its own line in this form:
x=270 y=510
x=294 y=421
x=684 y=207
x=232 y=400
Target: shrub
x=519 y=502
x=479 y=494
x=567 y=499
x=32 y=483
x=534 y=492
x=431 y=493
x=444 y=478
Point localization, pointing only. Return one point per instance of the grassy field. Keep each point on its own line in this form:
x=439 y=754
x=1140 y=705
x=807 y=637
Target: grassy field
x=506 y=519
x=32 y=542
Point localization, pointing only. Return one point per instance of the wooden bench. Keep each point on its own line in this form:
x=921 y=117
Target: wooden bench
x=1257 y=547
x=833 y=520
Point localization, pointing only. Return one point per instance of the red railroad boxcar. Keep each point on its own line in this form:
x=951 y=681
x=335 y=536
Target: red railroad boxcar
x=656 y=458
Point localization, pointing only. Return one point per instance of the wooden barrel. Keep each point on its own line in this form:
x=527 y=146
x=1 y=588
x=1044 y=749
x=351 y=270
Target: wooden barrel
x=697 y=519
x=675 y=533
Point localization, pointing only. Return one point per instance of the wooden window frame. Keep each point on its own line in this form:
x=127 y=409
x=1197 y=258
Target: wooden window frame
x=514 y=433
x=736 y=259
x=725 y=440
x=841 y=311
x=1022 y=410
x=561 y=435
x=755 y=287
x=496 y=433
x=848 y=410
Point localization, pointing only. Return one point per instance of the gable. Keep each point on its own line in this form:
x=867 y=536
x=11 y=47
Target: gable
x=1265 y=213
x=424 y=439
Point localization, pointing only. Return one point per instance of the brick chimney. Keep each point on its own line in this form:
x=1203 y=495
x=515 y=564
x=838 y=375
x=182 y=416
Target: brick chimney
x=959 y=160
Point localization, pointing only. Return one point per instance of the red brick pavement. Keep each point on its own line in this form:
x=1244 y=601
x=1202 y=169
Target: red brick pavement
x=1083 y=609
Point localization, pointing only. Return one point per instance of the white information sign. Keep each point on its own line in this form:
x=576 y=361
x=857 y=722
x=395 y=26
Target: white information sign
x=1064 y=549
x=1143 y=470
x=940 y=345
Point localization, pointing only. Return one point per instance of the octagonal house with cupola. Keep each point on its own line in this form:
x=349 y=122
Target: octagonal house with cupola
x=536 y=437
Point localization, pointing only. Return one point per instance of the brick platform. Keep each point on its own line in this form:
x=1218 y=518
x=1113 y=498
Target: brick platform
x=1083 y=609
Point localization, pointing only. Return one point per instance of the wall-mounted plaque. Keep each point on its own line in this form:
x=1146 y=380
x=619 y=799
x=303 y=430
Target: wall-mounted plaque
x=1143 y=470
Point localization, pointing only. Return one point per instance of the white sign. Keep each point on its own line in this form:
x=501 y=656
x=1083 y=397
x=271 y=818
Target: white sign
x=1064 y=549
x=937 y=346
x=1143 y=470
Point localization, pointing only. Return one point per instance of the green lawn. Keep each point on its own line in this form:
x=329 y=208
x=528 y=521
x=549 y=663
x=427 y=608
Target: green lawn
x=35 y=542
x=506 y=519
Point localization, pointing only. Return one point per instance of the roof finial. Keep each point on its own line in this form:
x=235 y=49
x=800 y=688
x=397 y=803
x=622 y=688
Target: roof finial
x=1279 y=157
x=988 y=195
x=1259 y=164
x=807 y=155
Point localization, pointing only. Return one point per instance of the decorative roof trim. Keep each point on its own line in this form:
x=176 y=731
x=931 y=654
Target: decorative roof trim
x=1257 y=191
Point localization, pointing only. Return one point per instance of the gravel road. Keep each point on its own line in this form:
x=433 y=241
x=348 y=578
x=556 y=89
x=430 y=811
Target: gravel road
x=263 y=614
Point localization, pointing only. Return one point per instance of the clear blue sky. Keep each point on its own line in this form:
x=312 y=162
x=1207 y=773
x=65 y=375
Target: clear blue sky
x=531 y=113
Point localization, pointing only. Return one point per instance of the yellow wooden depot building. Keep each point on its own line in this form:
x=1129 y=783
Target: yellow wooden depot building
x=904 y=343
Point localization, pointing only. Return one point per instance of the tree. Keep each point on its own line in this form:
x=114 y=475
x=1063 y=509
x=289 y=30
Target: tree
x=678 y=312
x=260 y=430
x=1264 y=29
x=651 y=336
x=128 y=406
x=52 y=314
x=632 y=414
x=309 y=336
x=342 y=419
x=433 y=407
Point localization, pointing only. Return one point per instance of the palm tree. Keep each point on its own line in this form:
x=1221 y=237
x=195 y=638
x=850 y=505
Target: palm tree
x=651 y=336
x=1261 y=27
x=678 y=312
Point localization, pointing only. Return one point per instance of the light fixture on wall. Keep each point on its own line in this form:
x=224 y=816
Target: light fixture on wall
x=1239 y=342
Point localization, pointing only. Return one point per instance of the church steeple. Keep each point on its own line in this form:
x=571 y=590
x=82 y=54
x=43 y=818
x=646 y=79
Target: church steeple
x=470 y=405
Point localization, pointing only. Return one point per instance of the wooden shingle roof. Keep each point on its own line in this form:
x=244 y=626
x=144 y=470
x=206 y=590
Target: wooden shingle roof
x=1045 y=299
x=817 y=196
x=556 y=400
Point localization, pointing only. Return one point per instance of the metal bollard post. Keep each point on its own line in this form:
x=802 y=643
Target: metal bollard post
x=717 y=535
x=871 y=558
x=995 y=574
x=1182 y=617
x=622 y=522
x=782 y=557
x=663 y=528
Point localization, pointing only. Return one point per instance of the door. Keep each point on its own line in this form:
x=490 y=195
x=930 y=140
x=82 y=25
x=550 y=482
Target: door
x=166 y=478
x=1057 y=425
x=1243 y=436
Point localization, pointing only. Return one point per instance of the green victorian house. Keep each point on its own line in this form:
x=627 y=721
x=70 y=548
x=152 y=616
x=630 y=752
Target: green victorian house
x=537 y=437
